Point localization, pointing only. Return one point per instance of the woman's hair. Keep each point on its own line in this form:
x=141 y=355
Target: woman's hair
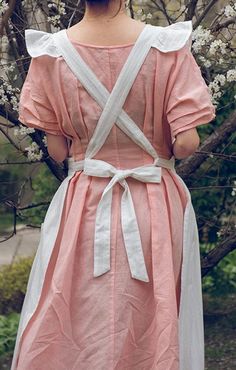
x=97 y=2
x=103 y=3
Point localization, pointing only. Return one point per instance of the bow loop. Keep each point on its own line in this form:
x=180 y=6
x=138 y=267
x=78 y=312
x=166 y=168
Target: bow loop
x=148 y=173
x=99 y=168
x=131 y=234
x=151 y=173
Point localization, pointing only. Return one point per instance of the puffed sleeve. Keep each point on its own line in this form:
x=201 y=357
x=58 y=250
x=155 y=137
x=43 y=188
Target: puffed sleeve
x=189 y=100
x=35 y=109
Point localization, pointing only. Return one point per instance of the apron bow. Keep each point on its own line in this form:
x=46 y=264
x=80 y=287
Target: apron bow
x=130 y=229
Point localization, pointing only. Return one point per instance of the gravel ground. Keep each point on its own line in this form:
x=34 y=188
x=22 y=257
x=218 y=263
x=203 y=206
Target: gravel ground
x=24 y=243
x=220 y=332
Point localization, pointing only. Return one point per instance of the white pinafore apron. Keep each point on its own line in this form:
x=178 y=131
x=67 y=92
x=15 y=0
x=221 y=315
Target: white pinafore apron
x=191 y=334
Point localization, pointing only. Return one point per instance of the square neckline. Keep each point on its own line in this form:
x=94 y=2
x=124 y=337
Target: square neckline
x=83 y=44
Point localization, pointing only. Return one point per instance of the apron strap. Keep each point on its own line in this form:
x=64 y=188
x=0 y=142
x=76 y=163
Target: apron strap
x=111 y=102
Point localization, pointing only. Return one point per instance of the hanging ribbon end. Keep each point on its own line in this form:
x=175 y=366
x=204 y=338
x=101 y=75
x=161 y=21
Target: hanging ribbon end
x=141 y=278
x=97 y=272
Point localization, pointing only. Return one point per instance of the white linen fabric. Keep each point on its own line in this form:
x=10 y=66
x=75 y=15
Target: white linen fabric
x=173 y=37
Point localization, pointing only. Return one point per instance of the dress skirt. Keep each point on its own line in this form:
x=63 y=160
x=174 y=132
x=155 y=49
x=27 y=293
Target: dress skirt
x=110 y=322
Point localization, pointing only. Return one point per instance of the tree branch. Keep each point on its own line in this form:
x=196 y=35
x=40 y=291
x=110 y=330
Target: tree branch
x=217 y=254
x=191 y=10
x=20 y=162
x=6 y=15
x=219 y=26
x=10 y=139
x=163 y=11
x=219 y=136
x=204 y=13
x=33 y=205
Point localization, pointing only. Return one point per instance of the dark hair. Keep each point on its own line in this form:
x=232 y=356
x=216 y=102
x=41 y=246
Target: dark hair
x=97 y=2
x=103 y=3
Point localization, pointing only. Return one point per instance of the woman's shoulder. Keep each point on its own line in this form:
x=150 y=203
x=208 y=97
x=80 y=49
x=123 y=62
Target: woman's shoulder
x=164 y=38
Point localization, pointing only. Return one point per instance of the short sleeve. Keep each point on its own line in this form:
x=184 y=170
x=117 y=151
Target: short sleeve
x=35 y=109
x=189 y=101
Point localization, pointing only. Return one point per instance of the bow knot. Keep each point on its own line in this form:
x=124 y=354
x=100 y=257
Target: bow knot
x=130 y=229
x=121 y=174
x=146 y=173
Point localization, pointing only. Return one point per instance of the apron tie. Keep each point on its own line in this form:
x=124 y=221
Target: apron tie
x=130 y=229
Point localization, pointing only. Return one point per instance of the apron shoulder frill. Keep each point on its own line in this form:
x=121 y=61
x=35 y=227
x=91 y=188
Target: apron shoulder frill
x=165 y=39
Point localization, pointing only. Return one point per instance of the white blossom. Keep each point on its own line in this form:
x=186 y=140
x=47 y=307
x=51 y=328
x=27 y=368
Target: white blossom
x=201 y=37
x=141 y=15
x=231 y=75
x=8 y=94
x=220 y=78
x=10 y=68
x=217 y=45
x=54 y=19
x=34 y=153
x=22 y=130
x=233 y=193
x=4 y=38
x=139 y=11
x=207 y=63
x=52 y=5
x=215 y=86
x=45 y=140
x=59 y=6
x=3 y=7
x=229 y=11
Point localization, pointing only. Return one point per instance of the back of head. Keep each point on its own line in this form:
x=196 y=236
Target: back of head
x=103 y=4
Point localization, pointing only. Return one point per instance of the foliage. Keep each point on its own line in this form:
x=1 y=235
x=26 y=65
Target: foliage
x=222 y=278
x=8 y=331
x=15 y=183
x=32 y=184
x=44 y=186
x=212 y=186
x=13 y=284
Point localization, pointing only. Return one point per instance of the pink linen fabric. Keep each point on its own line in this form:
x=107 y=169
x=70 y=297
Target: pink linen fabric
x=113 y=322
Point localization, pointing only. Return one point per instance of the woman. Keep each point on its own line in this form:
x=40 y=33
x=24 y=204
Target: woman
x=116 y=280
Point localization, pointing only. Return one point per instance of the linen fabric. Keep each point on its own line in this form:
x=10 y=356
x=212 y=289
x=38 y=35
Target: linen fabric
x=113 y=321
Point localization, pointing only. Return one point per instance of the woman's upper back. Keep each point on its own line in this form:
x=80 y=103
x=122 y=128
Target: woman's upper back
x=162 y=101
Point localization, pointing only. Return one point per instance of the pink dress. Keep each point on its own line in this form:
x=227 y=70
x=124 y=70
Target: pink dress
x=113 y=322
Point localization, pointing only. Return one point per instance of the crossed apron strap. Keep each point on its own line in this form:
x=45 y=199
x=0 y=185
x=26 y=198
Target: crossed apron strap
x=111 y=102
x=113 y=114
